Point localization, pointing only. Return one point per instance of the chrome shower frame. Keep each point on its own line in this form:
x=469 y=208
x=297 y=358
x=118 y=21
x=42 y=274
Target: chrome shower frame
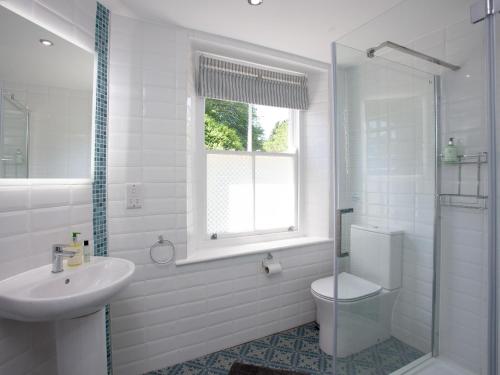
x=490 y=20
x=436 y=276
x=486 y=10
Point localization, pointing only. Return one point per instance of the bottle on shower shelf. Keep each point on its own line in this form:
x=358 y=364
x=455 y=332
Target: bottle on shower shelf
x=19 y=158
x=451 y=152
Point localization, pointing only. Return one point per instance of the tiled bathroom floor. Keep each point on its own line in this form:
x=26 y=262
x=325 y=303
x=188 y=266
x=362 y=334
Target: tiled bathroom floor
x=298 y=349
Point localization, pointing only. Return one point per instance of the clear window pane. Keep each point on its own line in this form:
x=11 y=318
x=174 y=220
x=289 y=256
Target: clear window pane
x=226 y=125
x=271 y=129
x=229 y=193
x=274 y=192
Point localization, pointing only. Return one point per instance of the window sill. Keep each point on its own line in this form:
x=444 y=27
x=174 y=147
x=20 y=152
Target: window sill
x=226 y=252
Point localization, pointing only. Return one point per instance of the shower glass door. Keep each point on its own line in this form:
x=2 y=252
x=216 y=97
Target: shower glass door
x=14 y=137
x=494 y=273
x=385 y=152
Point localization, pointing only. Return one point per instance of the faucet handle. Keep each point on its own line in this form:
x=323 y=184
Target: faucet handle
x=58 y=248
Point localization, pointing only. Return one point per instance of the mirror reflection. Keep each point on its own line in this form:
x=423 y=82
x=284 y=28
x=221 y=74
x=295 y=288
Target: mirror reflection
x=46 y=91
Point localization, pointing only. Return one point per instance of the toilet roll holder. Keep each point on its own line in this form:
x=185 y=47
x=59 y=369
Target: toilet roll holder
x=267 y=262
x=268 y=259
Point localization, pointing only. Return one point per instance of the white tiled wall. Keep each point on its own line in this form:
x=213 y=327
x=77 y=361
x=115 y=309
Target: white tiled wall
x=171 y=314
x=34 y=216
x=316 y=157
x=388 y=128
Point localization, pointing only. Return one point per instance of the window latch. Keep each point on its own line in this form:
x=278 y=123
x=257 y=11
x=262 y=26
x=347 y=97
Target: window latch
x=291 y=228
x=213 y=236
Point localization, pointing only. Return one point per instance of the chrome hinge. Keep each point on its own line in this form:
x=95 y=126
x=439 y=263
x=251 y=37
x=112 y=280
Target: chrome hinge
x=480 y=10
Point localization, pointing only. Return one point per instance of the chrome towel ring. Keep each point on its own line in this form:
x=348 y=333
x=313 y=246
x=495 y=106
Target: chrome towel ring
x=162 y=243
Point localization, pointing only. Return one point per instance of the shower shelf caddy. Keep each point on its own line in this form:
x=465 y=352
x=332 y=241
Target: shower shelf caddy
x=460 y=199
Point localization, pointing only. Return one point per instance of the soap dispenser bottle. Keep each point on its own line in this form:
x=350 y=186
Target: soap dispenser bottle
x=86 y=251
x=76 y=246
x=451 y=152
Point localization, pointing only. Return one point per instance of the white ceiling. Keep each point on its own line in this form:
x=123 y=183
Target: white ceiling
x=304 y=27
x=301 y=27
x=24 y=60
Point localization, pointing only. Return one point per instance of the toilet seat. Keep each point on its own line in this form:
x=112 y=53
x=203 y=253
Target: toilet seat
x=351 y=288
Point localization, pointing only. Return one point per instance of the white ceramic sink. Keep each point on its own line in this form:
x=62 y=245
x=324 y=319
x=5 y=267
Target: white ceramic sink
x=40 y=295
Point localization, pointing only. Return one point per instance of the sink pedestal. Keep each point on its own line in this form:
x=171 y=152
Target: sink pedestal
x=81 y=345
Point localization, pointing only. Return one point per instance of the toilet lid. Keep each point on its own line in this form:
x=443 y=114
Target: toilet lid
x=351 y=288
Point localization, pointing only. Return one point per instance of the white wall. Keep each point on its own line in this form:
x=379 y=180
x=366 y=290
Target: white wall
x=171 y=314
x=34 y=216
x=317 y=167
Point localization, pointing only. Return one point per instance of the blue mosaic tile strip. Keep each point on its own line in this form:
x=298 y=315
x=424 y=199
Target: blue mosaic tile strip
x=101 y=120
x=99 y=193
x=298 y=350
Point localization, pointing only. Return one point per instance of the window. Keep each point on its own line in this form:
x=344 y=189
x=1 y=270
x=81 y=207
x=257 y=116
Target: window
x=251 y=169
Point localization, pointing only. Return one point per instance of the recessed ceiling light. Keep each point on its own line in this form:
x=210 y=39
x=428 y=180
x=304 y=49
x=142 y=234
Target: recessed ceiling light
x=46 y=43
x=255 y=2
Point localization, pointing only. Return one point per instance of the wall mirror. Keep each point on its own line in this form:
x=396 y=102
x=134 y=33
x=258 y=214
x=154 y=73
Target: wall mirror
x=46 y=87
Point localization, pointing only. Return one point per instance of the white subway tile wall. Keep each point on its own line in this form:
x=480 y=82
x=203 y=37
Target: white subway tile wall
x=316 y=167
x=34 y=216
x=170 y=314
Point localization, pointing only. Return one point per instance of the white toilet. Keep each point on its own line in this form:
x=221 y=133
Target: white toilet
x=366 y=294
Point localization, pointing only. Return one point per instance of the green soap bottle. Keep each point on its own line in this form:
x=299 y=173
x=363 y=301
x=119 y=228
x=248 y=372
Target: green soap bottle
x=451 y=152
x=75 y=246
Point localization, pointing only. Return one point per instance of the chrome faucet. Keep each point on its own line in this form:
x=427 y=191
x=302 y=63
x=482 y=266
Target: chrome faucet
x=58 y=254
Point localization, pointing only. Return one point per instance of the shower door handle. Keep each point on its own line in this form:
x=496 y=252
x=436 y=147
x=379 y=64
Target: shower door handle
x=338 y=230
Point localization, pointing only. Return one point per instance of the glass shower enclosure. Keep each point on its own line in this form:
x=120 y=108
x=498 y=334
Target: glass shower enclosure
x=14 y=137
x=386 y=177
x=415 y=231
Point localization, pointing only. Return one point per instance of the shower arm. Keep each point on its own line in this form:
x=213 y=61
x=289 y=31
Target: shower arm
x=370 y=52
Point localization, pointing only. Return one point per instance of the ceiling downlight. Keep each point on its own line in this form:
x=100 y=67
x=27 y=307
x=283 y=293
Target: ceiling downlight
x=46 y=43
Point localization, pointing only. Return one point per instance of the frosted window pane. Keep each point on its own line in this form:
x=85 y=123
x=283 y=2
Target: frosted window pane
x=229 y=193
x=274 y=192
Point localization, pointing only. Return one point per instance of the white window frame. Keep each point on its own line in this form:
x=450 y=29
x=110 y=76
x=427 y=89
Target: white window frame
x=202 y=237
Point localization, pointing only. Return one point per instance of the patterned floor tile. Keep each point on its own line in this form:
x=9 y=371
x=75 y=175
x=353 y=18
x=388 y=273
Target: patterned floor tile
x=297 y=349
x=282 y=358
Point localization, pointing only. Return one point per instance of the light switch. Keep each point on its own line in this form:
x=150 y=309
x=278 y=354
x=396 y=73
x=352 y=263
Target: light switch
x=134 y=196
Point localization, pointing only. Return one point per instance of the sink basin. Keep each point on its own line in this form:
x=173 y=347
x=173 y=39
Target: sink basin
x=40 y=295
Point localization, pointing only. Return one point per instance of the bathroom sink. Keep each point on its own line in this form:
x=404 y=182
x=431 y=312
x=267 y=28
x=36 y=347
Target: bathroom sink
x=40 y=295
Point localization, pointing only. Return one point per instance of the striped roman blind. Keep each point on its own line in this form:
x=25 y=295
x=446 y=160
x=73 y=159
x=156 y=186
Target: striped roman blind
x=222 y=79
